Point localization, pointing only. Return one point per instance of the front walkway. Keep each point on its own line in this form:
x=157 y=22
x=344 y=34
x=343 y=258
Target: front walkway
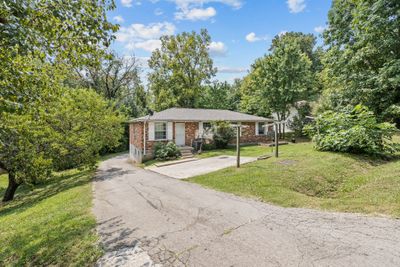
x=200 y=166
x=146 y=218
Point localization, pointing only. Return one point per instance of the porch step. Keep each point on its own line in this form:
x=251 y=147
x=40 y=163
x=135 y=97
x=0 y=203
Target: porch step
x=186 y=152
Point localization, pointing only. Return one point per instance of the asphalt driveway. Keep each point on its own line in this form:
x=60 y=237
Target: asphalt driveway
x=198 y=167
x=147 y=219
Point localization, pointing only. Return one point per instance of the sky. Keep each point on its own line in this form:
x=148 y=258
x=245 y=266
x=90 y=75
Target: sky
x=241 y=30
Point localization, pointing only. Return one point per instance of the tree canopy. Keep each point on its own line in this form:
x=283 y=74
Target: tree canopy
x=44 y=124
x=179 y=69
x=362 y=62
x=281 y=78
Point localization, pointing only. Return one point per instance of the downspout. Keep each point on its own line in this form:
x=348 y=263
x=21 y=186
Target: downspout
x=144 y=135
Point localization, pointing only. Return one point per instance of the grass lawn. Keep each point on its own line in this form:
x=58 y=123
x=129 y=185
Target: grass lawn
x=50 y=225
x=304 y=177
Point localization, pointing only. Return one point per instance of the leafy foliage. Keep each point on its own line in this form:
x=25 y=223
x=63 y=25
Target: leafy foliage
x=221 y=95
x=179 y=69
x=362 y=63
x=40 y=42
x=278 y=80
x=166 y=151
x=354 y=130
x=300 y=120
x=223 y=134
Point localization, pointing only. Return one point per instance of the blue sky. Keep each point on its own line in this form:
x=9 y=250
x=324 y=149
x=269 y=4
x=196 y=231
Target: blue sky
x=241 y=30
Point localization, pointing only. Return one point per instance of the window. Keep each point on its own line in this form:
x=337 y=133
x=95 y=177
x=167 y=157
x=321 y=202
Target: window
x=261 y=129
x=160 y=130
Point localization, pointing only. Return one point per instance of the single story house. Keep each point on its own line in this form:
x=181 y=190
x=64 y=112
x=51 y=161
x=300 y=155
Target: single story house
x=183 y=125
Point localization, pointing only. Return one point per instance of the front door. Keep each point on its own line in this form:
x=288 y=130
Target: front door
x=180 y=134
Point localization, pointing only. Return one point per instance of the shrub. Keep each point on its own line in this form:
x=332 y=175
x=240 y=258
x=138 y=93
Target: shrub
x=298 y=122
x=223 y=133
x=353 y=130
x=166 y=151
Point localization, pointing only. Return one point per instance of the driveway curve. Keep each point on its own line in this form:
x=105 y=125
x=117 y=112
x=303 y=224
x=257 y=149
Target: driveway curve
x=146 y=219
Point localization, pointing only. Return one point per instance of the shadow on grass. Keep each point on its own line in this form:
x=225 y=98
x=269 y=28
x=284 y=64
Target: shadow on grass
x=27 y=196
x=373 y=160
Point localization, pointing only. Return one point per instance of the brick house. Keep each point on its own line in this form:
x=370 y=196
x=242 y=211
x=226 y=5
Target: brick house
x=183 y=125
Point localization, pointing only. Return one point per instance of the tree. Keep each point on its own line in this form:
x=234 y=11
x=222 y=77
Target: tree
x=179 y=70
x=220 y=95
x=67 y=131
x=39 y=42
x=117 y=79
x=362 y=62
x=280 y=79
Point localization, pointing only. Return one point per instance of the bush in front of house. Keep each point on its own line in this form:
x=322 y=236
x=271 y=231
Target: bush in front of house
x=166 y=151
x=353 y=130
x=223 y=133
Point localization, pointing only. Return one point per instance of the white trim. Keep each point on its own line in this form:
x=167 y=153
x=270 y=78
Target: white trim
x=151 y=131
x=201 y=130
x=169 y=131
x=256 y=128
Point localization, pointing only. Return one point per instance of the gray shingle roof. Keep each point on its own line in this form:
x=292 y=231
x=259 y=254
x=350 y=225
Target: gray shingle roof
x=193 y=114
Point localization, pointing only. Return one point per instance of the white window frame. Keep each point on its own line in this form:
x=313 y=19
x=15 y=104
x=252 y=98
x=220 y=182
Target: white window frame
x=263 y=127
x=155 y=130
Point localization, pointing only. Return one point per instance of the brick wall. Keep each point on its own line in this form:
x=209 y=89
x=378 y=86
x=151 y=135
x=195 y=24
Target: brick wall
x=136 y=134
x=249 y=135
x=191 y=128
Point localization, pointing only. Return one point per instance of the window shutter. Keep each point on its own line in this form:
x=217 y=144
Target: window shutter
x=256 y=128
x=200 y=129
x=151 y=131
x=169 y=131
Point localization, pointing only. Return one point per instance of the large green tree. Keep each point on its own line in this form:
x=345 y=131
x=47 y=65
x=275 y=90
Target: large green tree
x=40 y=41
x=279 y=79
x=362 y=63
x=118 y=79
x=179 y=69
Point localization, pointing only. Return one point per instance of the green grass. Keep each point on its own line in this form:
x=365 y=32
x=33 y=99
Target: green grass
x=51 y=224
x=304 y=177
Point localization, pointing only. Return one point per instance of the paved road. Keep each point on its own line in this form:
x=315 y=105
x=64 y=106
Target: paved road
x=147 y=218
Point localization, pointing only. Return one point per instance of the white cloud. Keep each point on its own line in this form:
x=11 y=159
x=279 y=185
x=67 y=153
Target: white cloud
x=145 y=37
x=191 y=3
x=252 y=37
x=231 y=70
x=118 y=19
x=217 y=49
x=282 y=32
x=194 y=10
x=130 y=3
x=196 y=14
x=319 y=29
x=158 y=12
x=296 y=6
x=147 y=45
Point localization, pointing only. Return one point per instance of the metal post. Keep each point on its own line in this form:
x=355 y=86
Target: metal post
x=238 y=147
x=276 y=140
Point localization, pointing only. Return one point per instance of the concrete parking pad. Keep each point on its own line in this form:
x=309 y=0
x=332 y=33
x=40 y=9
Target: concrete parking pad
x=198 y=167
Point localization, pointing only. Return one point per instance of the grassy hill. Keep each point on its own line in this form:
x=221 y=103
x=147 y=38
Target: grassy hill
x=304 y=177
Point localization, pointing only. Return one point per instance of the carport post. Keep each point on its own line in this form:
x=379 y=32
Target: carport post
x=238 y=147
x=276 y=140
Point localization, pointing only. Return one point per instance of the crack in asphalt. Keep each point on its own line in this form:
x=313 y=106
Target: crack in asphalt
x=176 y=223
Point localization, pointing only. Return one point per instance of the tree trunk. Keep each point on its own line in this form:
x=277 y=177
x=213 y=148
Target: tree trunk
x=12 y=187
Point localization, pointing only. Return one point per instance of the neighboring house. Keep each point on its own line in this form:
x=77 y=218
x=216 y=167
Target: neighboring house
x=183 y=125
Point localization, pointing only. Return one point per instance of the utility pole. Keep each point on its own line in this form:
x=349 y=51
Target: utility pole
x=276 y=140
x=238 y=146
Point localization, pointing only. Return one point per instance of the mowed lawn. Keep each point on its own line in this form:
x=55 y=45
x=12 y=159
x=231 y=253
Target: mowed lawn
x=304 y=177
x=50 y=225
